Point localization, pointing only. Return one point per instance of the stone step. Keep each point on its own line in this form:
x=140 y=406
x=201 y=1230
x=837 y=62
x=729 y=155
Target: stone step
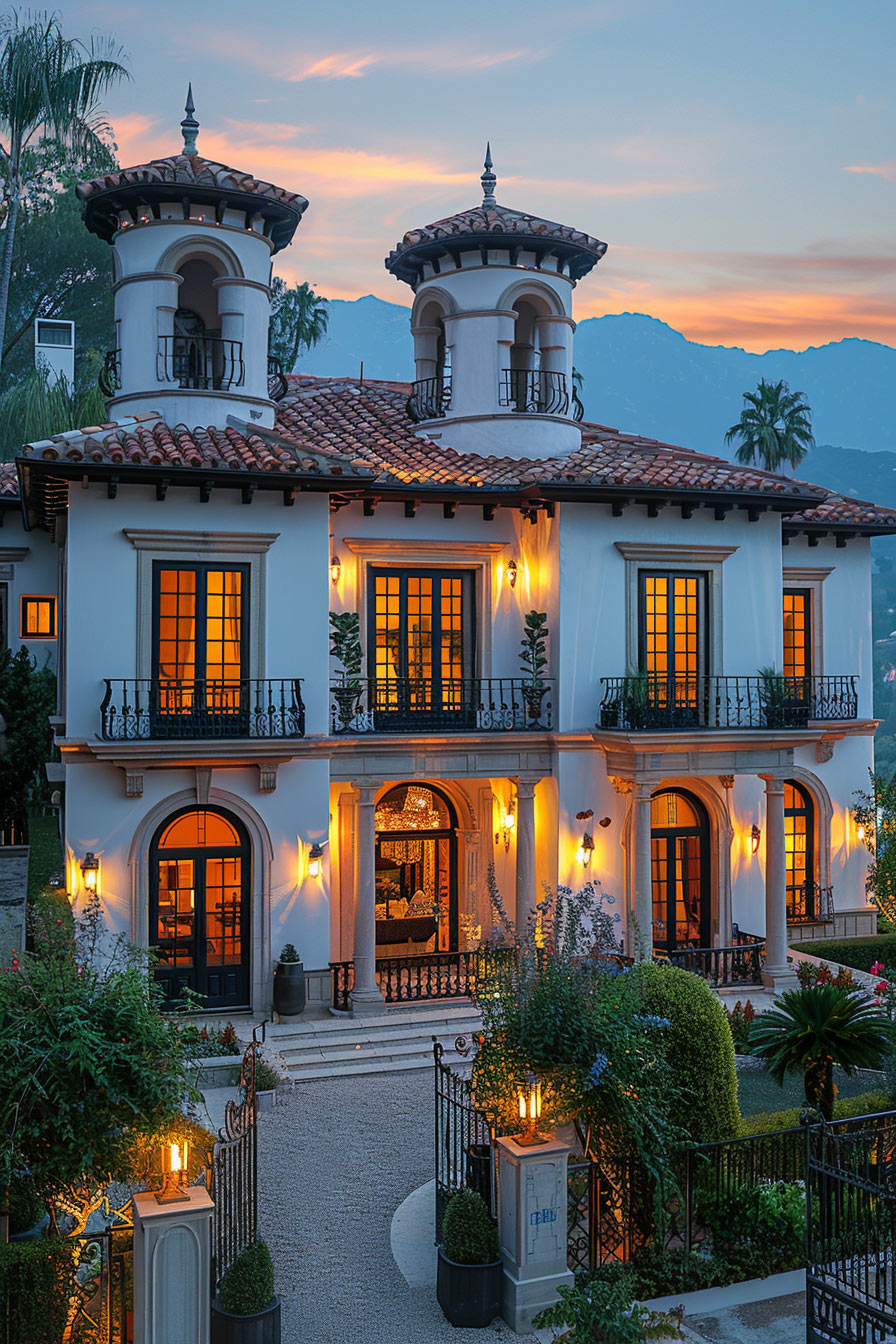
x=370 y=1049
x=364 y=1034
x=367 y=1065
x=444 y=1011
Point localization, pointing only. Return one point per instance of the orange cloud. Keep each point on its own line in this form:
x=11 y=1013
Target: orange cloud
x=887 y=170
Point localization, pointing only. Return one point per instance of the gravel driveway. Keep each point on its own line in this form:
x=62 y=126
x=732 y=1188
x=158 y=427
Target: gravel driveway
x=336 y=1158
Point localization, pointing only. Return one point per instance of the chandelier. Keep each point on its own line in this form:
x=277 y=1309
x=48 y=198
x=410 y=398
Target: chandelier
x=418 y=813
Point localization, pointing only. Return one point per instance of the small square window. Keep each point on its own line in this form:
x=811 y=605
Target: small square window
x=38 y=618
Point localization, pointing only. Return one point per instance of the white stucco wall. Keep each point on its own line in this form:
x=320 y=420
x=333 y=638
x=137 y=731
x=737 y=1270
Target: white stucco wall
x=34 y=575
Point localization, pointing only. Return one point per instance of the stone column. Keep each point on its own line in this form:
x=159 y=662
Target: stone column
x=172 y=1269
x=525 y=852
x=777 y=973
x=365 y=996
x=643 y=883
x=532 y=1228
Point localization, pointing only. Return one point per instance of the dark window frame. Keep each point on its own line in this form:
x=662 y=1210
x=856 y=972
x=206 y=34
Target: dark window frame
x=200 y=618
x=702 y=615
x=805 y=594
x=32 y=599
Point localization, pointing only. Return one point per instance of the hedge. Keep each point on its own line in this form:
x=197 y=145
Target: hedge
x=859 y=953
x=766 y=1122
x=35 y=1281
x=698 y=1045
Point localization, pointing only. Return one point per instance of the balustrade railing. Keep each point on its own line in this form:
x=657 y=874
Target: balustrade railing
x=809 y=903
x=207 y=363
x=534 y=391
x=457 y=704
x=645 y=703
x=430 y=398
x=412 y=979
x=159 y=708
x=277 y=384
x=109 y=378
x=740 y=964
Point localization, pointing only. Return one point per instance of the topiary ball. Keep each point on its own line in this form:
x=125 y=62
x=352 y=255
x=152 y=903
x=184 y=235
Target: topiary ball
x=469 y=1237
x=698 y=1045
x=247 y=1287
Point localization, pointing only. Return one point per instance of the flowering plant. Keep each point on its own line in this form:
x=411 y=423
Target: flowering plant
x=885 y=990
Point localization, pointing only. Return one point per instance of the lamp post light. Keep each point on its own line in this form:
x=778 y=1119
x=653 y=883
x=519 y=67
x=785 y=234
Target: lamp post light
x=174 y=1173
x=529 y=1099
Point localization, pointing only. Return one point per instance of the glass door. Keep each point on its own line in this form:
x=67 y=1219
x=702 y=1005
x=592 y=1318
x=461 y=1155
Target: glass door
x=672 y=645
x=680 y=871
x=200 y=645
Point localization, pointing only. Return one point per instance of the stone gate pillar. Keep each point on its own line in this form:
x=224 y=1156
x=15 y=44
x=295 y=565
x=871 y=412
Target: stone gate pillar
x=532 y=1227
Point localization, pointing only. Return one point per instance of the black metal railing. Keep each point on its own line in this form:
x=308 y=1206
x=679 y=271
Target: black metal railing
x=459 y=704
x=740 y=964
x=141 y=709
x=277 y=384
x=534 y=391
x=466 y=1156
x=646 y=703
x=411 y=979
x=109 y=378
x=809 y=903
x=207 y=363
x=233 y=1171
x=430 y=398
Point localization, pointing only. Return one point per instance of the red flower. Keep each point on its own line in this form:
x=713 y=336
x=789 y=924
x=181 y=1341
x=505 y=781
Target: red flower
x=882 y=987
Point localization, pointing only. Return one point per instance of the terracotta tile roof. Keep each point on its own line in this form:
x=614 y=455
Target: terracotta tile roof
x=843 y=512
x=492 y=226
x=9 y=481
x=189 y=171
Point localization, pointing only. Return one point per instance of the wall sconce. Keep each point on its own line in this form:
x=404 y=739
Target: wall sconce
x=90 y=871
x=755 y=836
x=511 y=573
x=335 y=568
x=586 y=844
x=508 y=823
x=174 y=1173
x=529 y=1098
x=315 y=861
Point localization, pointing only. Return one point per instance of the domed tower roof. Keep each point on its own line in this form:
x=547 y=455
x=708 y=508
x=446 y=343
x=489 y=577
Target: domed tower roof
x=489 y=226
x=142 y=189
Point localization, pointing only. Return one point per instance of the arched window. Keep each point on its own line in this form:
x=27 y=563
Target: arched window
x=533 y=384
x=199 y=907
x=416 y=871
x=432 y=356
x=199 y=354
x=799 y=850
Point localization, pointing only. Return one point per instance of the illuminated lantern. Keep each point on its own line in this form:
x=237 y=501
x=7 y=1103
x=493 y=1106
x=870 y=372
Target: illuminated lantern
x=90 y=871
x=335 y=568
x=315 y=856
x=174 y=1172
x=755 y=835
x=529 y=1099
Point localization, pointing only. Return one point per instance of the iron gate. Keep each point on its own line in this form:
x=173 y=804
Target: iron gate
x=851 y=1234
x=233 y=1176
x=465 y=1134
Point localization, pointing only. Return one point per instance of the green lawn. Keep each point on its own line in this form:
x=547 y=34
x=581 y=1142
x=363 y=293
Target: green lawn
x=757 y=1091
x=46 y=853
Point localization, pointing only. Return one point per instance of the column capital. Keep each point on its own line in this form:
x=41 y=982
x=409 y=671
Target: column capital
x=525 y=785
x=643 y=789
x=366 y=793
x=774 y=783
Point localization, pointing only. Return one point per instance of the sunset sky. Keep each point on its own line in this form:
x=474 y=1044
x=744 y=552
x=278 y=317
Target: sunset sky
x=739 y=159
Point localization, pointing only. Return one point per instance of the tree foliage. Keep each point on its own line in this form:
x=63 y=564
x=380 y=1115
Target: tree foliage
x=775 y=427
x=27 y=699
x=299 y=320
x=875 y=810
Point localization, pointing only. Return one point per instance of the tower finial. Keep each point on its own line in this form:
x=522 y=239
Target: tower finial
x=190 y=126
x=488 y=178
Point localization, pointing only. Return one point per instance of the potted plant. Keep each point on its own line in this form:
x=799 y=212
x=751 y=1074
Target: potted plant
x=345 y=644
x=289 y=983
x=780 y=707
x=470 y=1283
x=246 y=1309
x=533 y=658
x=267 y=1080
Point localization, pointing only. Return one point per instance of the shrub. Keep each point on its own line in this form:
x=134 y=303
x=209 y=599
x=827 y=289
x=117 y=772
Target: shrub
x=809 y=974
x=469 y=1237
x=266 y=1076
x=289 y=955
x=247 y=1287
x=740 y=1019
x=25 y=1208
x=697 y=1046
x=595 y=1309
x=35 y=1279
x=860 y=953
x=757 y=1229
x=767 y=1122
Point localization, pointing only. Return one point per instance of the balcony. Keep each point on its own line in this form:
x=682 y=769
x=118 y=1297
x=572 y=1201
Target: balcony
x=203 y=363
x=809 y=903
x=145 y=710
x=430 y=398
x=109 y=378
x=644 y=704
x=534 y=392
x=458 y=705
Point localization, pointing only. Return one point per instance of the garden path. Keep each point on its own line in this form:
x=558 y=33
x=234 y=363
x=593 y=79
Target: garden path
x=336 y=1158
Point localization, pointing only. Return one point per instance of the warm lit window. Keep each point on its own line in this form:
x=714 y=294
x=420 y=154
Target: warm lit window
x=672 y=632
x=420 y=637
x=797 y=632
x=200 y=623
x=38 y=618
x=798 y=846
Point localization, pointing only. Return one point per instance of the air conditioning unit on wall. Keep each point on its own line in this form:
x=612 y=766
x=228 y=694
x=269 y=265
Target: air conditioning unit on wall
x=54 y=347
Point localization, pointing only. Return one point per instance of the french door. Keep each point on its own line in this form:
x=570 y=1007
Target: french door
x=200 y=629
x=420 y=648
x=672 y=642
x=679 y=852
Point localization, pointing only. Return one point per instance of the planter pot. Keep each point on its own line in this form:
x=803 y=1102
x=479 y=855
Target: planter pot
x=289 y=988
x=470 y=1295
x=266 y=1100
x=32 y=1233
x=532 y=698
x=263 y=1328
x=347 y=699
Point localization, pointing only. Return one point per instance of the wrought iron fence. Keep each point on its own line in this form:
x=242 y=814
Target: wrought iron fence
x=464 y=1136
x=412 y=979
x=455 y=704
x=534 y=391
x=809 y=903
x=142 y=709
x=658 y=704
x=740 y=964
x=102 y=1287
x=430 y=398
x=207 y=363
x=233 y=1175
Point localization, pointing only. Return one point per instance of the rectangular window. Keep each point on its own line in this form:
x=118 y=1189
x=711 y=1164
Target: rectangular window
x=420 y=639
x=38 y=618
x=200 y=638
x=672 y=634
x=797 y=632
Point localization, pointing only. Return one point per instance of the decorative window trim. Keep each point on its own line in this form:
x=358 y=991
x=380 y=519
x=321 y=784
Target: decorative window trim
x=25 y=600
x=202 y=544
x=812 y=578
x=706 y=560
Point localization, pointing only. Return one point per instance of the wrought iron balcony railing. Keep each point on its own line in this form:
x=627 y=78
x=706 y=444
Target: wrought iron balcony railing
x=109 y=379
x=430 y=398
x=534 y=391
x=738 y=964
x=144 y=709
x=277 y=384
x=808 y=903
x=207 y=363
x=681 y=704
x=455 y=705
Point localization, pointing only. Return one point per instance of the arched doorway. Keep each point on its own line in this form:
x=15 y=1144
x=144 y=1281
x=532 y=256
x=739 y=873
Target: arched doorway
x=199 y=907
x=679 y=852
x=416 y=871
x=799 y=850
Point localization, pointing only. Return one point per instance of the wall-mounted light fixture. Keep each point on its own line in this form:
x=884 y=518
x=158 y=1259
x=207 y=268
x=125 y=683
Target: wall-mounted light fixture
x=511 y=573
x=335 y=568
x=508 y=822
x=174 y=1173
x=315 y=861
x=755 y=837
x=861 y=830
x=586 y=844
x=90 y=871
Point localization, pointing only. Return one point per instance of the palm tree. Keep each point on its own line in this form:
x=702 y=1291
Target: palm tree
x=49 y=89
x=812 y=1030
x=299 y=320
x=774 y=427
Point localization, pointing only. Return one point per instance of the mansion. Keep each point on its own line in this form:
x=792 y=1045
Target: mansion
x=327 y=649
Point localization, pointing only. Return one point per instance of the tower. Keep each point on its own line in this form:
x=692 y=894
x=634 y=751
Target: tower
x=192 y=242
x=492 y=326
